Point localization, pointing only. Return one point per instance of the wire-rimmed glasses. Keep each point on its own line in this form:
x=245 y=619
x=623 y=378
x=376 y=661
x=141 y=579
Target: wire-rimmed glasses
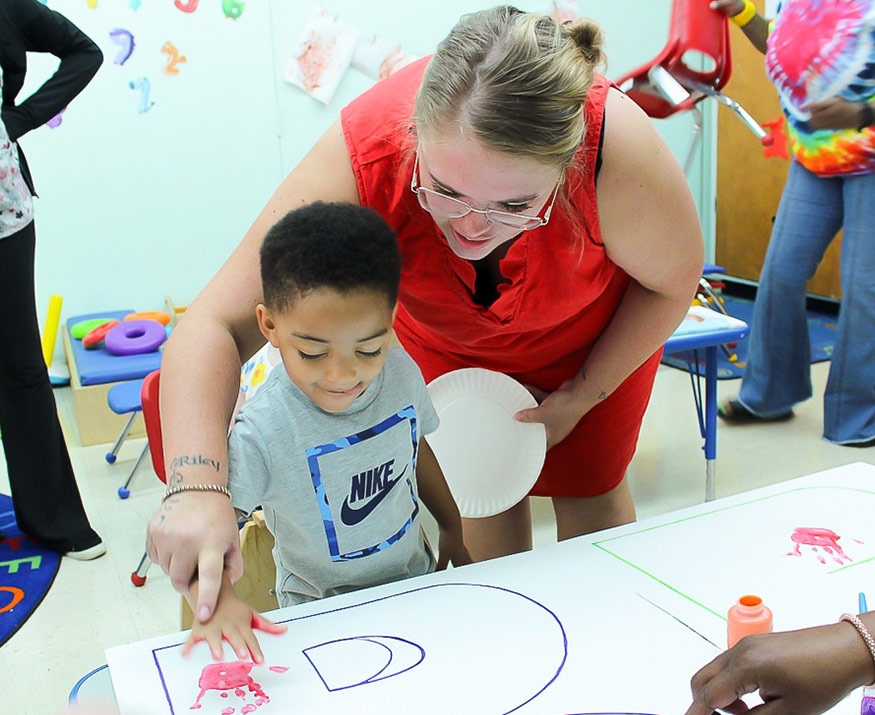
x=444 y=206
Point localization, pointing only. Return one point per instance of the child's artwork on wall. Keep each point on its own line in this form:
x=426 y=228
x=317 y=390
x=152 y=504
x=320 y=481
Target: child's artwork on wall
x=143 y=87
x=379 y=59
x=324 y=54
x=563 y=10
x=125 y=40
x=173 y=58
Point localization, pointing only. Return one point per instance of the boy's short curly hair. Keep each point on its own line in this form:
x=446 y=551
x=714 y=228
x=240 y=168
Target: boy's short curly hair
x=329 y=245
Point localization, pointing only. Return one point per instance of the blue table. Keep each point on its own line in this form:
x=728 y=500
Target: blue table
x=708 y=341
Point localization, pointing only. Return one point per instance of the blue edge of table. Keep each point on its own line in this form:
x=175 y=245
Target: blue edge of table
x=707 y=409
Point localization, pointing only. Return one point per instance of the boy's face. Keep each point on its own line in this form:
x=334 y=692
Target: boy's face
x=333 y=344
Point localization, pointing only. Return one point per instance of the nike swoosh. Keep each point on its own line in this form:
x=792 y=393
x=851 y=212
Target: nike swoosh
x=352 y=516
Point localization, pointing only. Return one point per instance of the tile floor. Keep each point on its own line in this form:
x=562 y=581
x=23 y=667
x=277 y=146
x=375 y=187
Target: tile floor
x=93 y=605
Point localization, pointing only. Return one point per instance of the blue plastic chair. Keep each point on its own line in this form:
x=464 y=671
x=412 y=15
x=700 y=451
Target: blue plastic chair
x=124 y=399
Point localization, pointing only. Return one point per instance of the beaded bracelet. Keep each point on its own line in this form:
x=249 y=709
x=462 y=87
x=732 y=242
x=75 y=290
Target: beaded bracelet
x=746 y=15
x=864 y=634
x=179 y=488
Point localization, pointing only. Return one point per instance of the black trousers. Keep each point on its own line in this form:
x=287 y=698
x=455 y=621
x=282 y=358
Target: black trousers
x=45 y=495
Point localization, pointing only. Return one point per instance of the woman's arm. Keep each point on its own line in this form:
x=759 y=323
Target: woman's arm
x=650 y=229
x=43 y=30
x=756 y=29
x=837 y=113
x=195 y=533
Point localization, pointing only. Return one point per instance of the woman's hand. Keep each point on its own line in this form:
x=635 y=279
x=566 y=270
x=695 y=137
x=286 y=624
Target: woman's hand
x=796 y=673
x=835 y=113
x=559 y=411
x=730 y=7
x=195 y=535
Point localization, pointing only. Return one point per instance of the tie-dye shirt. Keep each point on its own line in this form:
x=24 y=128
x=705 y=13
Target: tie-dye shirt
x=821 y=49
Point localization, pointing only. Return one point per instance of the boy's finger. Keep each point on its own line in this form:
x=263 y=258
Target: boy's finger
x=217 y=651
x=237 y=641
x=189 y=644
x=252 y=646
x=261 y=623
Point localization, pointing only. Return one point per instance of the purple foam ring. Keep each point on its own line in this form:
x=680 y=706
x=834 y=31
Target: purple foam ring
x=134 y=337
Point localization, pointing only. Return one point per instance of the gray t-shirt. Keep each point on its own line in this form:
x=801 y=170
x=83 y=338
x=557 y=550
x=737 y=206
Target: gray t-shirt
x=339 y=490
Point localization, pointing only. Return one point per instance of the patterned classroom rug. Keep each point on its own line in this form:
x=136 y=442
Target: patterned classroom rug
x=27 y=571
x=821 y=328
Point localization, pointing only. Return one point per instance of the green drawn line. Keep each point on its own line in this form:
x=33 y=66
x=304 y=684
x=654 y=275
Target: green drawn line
x=853 y=565
x=660 y=581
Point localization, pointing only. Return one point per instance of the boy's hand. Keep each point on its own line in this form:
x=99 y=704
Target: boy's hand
x=234 y=621
x=452 y=549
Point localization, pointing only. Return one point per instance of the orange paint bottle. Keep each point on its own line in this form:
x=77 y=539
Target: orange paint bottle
x=749 y=615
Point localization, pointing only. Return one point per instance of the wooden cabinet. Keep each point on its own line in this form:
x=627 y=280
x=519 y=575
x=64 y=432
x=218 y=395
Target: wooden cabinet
x=749 y=184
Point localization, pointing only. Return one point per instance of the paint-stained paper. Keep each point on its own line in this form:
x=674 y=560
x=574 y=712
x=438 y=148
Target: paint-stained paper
x=323 y=55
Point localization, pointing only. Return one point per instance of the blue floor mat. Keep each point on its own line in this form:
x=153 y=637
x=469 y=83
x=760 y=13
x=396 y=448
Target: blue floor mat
x=27 y=571
x=821 y=328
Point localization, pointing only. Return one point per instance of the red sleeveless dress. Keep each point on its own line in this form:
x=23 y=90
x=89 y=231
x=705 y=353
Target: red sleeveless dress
x=561 y=292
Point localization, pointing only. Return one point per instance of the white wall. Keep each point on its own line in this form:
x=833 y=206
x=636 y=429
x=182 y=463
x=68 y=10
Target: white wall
x=136 y=206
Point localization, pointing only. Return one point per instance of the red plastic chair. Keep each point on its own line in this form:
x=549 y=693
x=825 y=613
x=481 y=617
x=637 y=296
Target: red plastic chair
x=152 y=419
x=695 y=63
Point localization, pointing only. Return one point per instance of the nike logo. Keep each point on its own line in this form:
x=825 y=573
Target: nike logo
x=376 y=482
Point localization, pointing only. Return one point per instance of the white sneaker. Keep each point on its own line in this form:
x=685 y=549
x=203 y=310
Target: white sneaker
x=92 y=552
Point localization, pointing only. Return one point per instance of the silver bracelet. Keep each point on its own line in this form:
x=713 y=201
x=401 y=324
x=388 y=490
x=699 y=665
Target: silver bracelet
x=864 y=634
x=179 y=488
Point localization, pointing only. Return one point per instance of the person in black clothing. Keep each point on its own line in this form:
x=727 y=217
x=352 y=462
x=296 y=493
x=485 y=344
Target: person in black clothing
x=45 y=496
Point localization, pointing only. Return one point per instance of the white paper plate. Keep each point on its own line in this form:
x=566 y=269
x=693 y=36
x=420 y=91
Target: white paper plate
x=490 y=460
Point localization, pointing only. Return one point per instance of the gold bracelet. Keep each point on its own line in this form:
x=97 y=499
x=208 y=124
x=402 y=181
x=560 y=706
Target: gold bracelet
x=179 y=488
x=745 y=16
x=864 y=634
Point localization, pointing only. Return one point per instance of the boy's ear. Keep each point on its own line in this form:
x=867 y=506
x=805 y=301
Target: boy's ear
x=266 y=324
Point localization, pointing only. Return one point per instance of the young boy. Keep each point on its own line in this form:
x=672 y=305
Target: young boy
x=332 y=446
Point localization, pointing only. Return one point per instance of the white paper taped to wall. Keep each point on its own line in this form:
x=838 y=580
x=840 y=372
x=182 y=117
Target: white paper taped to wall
x=324 y=53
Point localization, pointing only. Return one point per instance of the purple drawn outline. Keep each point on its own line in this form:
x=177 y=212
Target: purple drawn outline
x=376 y=676
x=404 y=593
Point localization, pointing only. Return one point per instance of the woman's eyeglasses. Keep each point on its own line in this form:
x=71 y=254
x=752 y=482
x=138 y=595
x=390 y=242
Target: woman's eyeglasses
x=444 y=206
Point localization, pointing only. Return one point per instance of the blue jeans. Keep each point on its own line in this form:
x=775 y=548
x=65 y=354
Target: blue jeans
x=778 y=370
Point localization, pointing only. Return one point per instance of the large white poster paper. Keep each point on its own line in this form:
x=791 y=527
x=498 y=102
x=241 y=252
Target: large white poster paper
x=377 y=656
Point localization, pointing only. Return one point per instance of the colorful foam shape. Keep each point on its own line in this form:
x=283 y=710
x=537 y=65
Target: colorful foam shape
x=83 y=327
x=94 y=338
x=158 y=316
x=135 y=337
